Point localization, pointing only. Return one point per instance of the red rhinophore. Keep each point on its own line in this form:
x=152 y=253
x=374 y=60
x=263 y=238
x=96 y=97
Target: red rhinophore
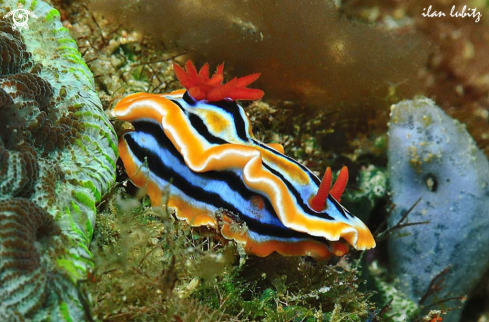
x=319 y=200
x=340 y=184
x=201 y=87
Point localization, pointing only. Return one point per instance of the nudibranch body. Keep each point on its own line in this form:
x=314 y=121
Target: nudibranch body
x=196 y=148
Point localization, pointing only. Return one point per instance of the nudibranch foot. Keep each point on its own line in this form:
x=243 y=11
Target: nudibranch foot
x=205 y=152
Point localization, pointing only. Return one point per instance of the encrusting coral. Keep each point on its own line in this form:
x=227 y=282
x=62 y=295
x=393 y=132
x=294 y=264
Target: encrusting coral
x=57 y=159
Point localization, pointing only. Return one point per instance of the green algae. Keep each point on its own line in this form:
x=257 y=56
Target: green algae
x=371 y=189
x=150 y=266
x=401 y=307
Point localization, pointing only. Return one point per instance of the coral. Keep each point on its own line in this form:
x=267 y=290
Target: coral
x=20 y=170
x=30 y=244
x=57 y=159
x=433 y=158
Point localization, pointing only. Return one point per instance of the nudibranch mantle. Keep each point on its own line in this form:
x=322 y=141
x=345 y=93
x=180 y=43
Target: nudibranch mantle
x=204 y=155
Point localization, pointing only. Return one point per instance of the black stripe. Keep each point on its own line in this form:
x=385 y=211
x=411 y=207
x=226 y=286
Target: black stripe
x=188 y=99
x=343 y=211
x=297 y=196
x=340 y=208
x=309 y=173
x=229 y=177
x=177 y=103
x=162 y=170
x=200 y=126
x=233 y=108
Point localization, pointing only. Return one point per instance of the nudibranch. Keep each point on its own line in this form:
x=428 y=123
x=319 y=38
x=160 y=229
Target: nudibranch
x=196 y=148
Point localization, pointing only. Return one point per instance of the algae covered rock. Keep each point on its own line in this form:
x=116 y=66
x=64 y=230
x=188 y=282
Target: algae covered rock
x=57 y=159
x=432 y=157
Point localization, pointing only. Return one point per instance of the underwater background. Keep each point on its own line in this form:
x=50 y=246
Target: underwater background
x=400 y=98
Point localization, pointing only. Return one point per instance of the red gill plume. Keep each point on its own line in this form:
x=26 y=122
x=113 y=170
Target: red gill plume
x=318 y=202
x=201 y=87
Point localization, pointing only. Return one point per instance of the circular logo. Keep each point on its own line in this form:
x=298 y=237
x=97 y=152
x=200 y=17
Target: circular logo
x=20 y=16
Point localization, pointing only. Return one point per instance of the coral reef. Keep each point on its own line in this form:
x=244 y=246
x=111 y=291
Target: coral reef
x=57 y=159
x=433 y=158
x=124 y=61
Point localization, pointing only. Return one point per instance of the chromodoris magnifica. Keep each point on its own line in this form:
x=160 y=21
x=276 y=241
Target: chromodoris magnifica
x=194 y=150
